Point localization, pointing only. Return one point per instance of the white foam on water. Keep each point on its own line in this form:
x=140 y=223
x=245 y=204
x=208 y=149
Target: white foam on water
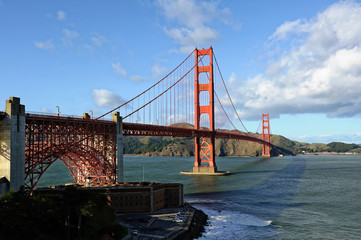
x=230 y=224
x=203 y=201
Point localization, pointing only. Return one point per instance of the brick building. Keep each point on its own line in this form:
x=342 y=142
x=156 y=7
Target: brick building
x=132 y=197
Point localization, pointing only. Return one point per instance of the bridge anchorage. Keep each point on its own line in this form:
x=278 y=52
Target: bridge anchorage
x=30 y=143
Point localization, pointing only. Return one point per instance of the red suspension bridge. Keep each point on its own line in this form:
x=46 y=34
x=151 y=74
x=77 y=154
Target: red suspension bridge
x=182 y=104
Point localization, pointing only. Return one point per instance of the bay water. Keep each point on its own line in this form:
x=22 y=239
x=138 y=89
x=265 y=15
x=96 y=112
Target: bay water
x=294 y=197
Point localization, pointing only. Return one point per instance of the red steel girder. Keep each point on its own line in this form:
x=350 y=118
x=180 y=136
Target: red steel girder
x=266 y=135
x=137 y=129
x=86 y=146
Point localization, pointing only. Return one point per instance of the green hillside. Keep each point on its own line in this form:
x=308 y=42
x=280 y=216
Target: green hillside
x=342 y=147
x=168 y=146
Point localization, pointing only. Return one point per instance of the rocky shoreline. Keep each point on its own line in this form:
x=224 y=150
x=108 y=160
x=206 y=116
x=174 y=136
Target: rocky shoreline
x=186 y=222
x=196 y=228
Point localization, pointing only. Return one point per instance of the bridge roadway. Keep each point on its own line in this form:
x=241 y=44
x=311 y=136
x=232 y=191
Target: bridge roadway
x=155 y=130
x=139 y=129
x=42 y=138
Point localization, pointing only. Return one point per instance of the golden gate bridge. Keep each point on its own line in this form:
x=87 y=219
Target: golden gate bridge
x=182 y=104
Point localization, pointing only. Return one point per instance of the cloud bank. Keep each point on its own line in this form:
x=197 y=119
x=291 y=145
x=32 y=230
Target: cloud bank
x=119 y=70
x=69 y=36
x=98 y=39
x=319 y=72
x=346 y=138
x=47 y=45
x=107 y=99
x=193 y=20
x=61 y=15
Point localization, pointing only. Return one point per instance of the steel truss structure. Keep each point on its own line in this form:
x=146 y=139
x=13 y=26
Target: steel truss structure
x=87 y=147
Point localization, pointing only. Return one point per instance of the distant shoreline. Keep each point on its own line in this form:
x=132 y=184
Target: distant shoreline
x=307 y=153
x=331 y=153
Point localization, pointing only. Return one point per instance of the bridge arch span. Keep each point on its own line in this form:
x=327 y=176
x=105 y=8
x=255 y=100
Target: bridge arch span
x=85 y=146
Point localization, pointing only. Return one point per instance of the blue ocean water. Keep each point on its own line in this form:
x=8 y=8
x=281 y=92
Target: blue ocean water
x=295 y=197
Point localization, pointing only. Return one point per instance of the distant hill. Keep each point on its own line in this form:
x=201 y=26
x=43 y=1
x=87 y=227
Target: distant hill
x=167 y=146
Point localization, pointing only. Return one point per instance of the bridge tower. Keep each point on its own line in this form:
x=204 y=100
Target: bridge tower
x=266 y=135
x=204 y=146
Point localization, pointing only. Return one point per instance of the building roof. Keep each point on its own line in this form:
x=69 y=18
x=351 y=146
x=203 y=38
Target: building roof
x=3 y=179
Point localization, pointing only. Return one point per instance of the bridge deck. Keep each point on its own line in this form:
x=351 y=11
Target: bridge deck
x=155 y=130
x=137 y=129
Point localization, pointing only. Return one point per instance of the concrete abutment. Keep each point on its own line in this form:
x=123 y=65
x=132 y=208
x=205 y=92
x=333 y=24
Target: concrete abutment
x=119 y=146
x=12 y=144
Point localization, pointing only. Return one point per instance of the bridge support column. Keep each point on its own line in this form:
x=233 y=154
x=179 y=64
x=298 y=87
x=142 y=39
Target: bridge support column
x=119 y=147
x=204 y=146
x=12 y=143
x=266 y=152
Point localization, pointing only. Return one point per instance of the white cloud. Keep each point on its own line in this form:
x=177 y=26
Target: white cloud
x=320 y=72
x=188 y=39
x=105 y=98
x=137 y=78
x=98 y=40
x=158 y=71
x=69 y=36
x=289 y=28
x=61 y=15
x=118 y=69
x=346 y=138
x=221 y=121
x=194 y=14
x=45 y=110
x=47 y=45
x=193 y=19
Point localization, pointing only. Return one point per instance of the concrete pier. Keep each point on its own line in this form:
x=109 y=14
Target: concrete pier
x=12 y=143
x=207 y=171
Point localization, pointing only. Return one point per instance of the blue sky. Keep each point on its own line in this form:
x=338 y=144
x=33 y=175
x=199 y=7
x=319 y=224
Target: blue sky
x=300 y=61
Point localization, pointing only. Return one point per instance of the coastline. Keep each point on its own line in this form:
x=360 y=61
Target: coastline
x=331 y=153
x=196 y=227
x=186 y=222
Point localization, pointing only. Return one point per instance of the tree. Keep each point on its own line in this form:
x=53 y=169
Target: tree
x=68 y=214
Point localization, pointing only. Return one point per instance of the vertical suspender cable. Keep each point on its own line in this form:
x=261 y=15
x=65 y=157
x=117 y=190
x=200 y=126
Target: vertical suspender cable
x=220 y=73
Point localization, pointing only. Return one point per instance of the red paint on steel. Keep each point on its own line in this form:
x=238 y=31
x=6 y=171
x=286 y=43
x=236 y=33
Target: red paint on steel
x=88 y=146
x=136 y=129
x=85 y=146
x=266 y=135
x=204 y=147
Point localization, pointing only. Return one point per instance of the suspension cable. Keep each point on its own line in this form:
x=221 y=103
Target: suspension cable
x=259 y=126
x=229 y=96
x=146 y=89
x=224 y=111
x=171 y=86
